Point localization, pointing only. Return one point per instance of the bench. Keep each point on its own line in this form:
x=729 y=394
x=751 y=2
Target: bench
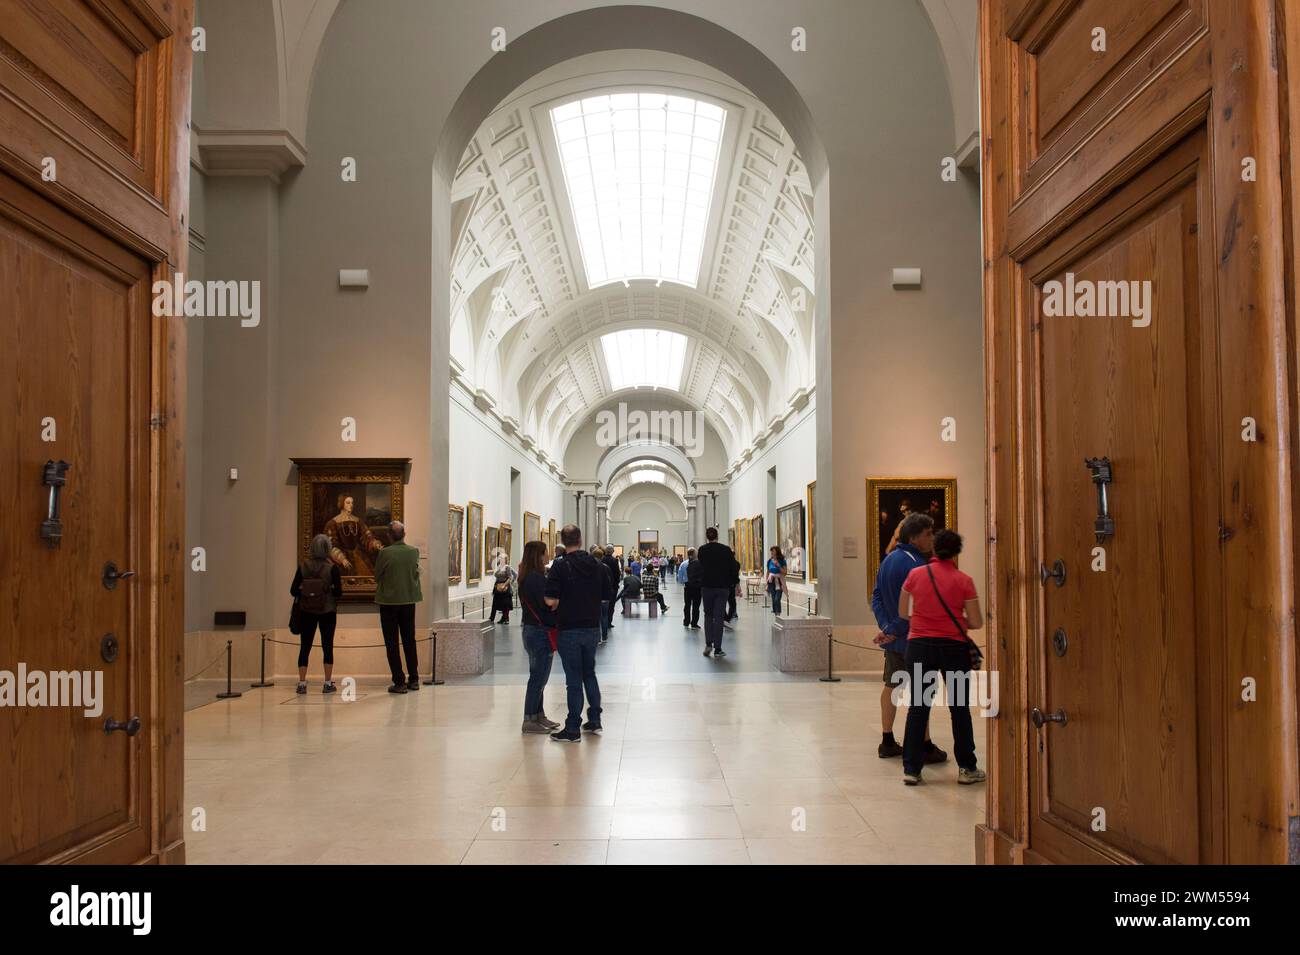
x=629 y=602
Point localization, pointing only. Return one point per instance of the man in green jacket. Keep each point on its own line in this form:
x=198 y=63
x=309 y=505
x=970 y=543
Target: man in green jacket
x=397 y=591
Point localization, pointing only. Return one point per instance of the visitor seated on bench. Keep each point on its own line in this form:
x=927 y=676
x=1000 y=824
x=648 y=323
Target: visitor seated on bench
x=631 y=590
x=650 y=586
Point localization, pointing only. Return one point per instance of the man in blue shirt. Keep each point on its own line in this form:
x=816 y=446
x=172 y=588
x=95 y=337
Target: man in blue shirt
x=915 y=544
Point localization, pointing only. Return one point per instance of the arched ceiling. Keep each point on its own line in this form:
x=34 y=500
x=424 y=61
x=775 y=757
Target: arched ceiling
x=526 y=328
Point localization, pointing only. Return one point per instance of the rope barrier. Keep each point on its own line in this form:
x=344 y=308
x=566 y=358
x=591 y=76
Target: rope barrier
x=206 y=668
x=350 y=646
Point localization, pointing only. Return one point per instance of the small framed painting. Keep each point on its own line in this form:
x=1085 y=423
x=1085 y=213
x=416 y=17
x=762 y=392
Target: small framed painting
x=490 y=537
x=455 y=542
x=474 y=543
x=889 y=500
x=532 y=527
x=504 y=540
x=790 y=538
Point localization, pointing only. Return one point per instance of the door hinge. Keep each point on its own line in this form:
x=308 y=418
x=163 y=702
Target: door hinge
x=155 y=422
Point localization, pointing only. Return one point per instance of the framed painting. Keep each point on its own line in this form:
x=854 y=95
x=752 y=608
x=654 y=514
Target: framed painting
x=455 y=542
x=352 y=501
x=757 y=555
x=490 y=537
x=532 y=527
x=474 y=543
x=790 y=538
x=679 y=551
x=738 y=541
x=743 y=553
x=647 y=542
x=812 y=532
x=731 y=538
x=618 y=551
x=889 y=500
x=505 y=539
x=554 y=538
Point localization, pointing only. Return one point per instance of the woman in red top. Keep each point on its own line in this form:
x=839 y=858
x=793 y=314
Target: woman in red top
x=942 y=604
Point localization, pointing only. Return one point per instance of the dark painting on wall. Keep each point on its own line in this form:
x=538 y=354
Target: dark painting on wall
x=490 y=550
x=889 y=500
x=790 y=538
x=474 y=543
x=455 y=542
x=352 y=501
x=504 y=540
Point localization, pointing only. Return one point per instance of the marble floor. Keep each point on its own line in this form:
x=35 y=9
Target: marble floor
x=701 y=762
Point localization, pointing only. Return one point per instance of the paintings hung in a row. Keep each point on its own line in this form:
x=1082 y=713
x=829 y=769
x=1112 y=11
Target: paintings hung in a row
x=353 y=502
x=889 y=500
x=485 y=549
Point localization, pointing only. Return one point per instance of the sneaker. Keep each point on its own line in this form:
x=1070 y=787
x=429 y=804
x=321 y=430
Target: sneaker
x=397 y=688
x=413 y=685
x=889 y=748
x=302 y=688
x=548 y=723
x=933 y=754
x=329 y=688
x=564 y=736
x=708 y=651
x=967 y=776
x=534 y=726
x=590 y=727
x=911 y=779
x=719 y=652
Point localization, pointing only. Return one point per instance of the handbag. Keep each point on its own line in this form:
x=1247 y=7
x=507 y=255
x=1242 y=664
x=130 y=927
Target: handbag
x=295 y=621
x=976 y=655
x=552 y=633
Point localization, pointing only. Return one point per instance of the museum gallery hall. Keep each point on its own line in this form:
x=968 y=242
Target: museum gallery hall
x=710 y=432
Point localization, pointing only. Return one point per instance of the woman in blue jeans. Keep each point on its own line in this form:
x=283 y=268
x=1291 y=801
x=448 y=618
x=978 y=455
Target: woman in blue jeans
x=538 y=622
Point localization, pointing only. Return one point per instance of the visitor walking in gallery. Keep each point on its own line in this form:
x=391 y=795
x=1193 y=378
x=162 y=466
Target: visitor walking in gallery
x=539 y=629
x=688 y=575
x=718 y=568
x=397 y=591
x=915 y=545
x=575 y=587
x=317 y=587
x=615 y=574
x=941 y=604
x=502 y=594
x=776 y=587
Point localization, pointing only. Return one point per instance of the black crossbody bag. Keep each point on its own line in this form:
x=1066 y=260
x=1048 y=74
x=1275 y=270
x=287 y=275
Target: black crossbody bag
x=976 y=655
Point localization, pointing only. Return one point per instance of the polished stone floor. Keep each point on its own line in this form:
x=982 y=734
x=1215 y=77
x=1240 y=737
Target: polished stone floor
x=701 y=761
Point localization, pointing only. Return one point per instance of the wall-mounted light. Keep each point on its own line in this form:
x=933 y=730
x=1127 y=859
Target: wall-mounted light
x=354 y=278
x=907 y=278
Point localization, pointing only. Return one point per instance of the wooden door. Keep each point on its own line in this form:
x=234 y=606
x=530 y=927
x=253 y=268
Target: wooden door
x=94 y=100
x=1131 y=156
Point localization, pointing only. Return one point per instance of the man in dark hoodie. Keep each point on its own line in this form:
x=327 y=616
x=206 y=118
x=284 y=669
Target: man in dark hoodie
x=615 y=574
x=575 y=587
x=717 y=563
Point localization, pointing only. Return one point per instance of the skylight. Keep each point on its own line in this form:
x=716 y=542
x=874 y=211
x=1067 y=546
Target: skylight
x=644 y=357
x=653 y=477
x=640 y=169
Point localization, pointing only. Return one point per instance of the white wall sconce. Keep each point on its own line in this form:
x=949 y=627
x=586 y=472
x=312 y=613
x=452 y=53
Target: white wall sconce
x=234 y=474
x=907 y=278
x=354 y=278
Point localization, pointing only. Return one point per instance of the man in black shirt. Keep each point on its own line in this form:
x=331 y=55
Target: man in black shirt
x=615 y=574
x=716 y=574
x=575 y=587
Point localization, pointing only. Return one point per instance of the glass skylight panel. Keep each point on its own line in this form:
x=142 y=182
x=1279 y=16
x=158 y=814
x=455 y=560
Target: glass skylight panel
x=644 y=357
x=640 y=170
x=643 y=477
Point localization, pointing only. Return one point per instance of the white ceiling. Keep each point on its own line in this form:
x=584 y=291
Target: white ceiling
x=526 y=328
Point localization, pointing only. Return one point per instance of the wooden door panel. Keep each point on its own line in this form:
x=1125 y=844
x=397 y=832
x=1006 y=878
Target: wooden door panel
x=1128 y=677
x=75 y=350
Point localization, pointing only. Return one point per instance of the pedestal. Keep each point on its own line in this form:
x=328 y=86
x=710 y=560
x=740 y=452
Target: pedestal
x=799 y=644
x=465 y=647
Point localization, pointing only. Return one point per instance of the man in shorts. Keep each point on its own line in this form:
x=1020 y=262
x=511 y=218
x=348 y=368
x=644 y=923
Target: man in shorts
x=915 y=544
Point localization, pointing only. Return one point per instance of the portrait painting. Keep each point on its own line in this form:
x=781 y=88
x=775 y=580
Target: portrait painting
x=353 y=502
x=812 y=532
x=889 y=500
x=554 y=537
x=679 y=551
x=455 y=542
x=504 y=539
x=532 y=527
x=618 y=551
x=490 y=538
x=474 y=543
x=790 y=538
x=757 y=556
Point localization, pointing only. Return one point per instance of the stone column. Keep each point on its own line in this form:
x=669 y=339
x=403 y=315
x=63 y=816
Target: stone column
x=602 y=519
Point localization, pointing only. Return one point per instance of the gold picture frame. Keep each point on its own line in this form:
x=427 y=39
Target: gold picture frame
x=812 y=532
x=890 y=499
x=473 y=542
x=506 y=539
x=455 y=542
x=532 y=526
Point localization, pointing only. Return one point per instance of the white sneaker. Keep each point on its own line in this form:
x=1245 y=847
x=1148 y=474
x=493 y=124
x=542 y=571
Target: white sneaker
x=967 y=776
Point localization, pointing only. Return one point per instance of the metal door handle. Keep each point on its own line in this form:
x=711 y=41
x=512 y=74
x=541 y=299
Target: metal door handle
x=1040 y=718
x=53 y=476
x=1057 y=573
x=130 y=727
x=1104 y=526
x=112 y=575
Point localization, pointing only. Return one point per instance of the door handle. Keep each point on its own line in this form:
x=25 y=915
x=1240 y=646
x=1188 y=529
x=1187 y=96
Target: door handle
x=54 y=476
x=130 y=727
x=1057 y=573
x=1104 y=526
x=1039 y=718
x=112 y=575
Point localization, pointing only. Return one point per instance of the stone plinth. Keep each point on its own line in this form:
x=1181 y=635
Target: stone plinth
x=799 y=643
x=465 y=647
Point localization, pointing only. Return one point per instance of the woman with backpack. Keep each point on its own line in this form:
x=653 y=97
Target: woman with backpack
x=941 y=604
x=502 y=600
x=317 y=587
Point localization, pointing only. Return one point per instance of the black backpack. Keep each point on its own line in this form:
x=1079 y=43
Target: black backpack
x=313 y=593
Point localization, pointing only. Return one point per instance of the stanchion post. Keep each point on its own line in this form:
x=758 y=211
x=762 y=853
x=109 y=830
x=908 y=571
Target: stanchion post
x=433 y=657
x=830 y=676
x=230 y=693
x=462 y=610
x=262 y=681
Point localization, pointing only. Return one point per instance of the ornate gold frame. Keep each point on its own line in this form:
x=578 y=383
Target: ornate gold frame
x=876 y=485
x=811 y=547
x=477 y=536
x=456 y=509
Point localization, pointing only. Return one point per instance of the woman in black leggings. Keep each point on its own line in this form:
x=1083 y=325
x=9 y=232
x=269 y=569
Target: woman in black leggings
x=317 y=606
